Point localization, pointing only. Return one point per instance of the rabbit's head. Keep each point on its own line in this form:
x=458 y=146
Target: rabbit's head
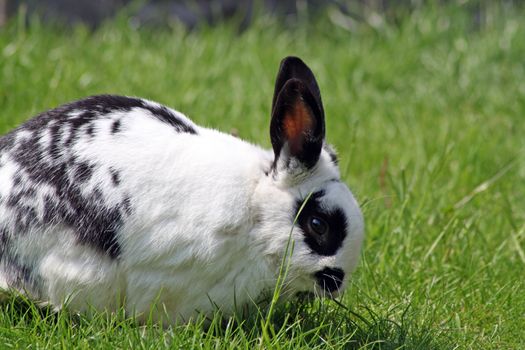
x=302 y=203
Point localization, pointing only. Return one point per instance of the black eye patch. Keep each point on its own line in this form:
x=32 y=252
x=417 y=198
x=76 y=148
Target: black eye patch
x=323 y=242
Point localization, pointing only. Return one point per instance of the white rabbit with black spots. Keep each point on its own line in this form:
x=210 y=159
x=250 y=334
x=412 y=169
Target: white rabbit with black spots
x=114 y=201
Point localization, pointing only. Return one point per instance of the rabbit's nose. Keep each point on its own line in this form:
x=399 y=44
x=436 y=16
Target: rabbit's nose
x=330 y=279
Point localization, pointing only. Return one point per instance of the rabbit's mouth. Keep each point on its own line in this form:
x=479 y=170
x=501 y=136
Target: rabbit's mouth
x=330 y=280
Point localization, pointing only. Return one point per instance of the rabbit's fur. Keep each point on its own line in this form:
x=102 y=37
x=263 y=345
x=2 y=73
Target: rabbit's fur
x=112 y=201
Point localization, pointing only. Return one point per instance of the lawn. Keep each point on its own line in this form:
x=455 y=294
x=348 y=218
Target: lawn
x=428 y=116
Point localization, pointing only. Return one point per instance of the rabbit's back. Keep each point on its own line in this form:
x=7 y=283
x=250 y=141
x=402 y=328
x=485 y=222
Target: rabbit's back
x=104 y=185
x=52 y=172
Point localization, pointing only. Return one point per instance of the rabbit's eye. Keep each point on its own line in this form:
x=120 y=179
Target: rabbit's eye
x=318 y=225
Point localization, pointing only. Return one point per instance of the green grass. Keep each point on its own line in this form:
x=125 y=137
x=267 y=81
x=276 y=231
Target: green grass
x=429 y=120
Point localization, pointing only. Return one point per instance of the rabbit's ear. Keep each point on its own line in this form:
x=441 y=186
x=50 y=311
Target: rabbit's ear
x=297 y=129
x=294 y=68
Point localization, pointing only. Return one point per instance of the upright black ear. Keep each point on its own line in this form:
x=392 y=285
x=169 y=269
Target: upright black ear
x=297 y=129
x=294 y=68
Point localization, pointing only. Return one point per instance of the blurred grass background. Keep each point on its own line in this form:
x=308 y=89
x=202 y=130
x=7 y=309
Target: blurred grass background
x=426 y=107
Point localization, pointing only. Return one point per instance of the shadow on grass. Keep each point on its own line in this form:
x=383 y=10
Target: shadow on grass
x=322 y=323
x=307 y=321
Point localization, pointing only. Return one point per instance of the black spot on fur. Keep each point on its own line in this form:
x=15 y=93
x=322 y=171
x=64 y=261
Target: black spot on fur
x=115 y=127
x=82 y=119
x=83 y=172
x=70 y=138
x=4 y=234
x=165 y=115
x=126 y=205
x=25 y=217
x=6 y=142
x=115 y=176
x=16 y=180
x=328 y=243
x=49 y=209
x=95 y=224
x=330 y=279
x=54 y=147
x=333 y=156
x=90 y=131
x=99 y=226
x=331 y=153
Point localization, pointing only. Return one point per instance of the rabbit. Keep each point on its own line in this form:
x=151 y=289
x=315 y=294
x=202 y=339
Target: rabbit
x=118 y=202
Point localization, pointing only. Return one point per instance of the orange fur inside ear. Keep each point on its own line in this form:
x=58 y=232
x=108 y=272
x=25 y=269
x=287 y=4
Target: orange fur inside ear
x=297 y=123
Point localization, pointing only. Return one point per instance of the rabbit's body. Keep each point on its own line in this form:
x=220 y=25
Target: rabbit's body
x=113 y=201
